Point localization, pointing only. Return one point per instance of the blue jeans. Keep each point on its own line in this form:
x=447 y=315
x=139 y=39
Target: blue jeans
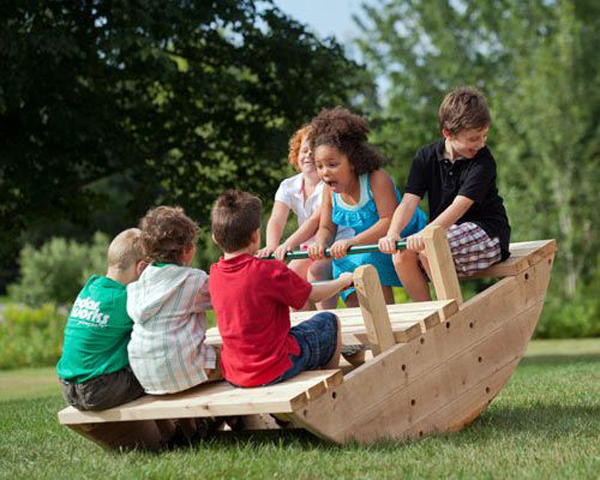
x=317 y=338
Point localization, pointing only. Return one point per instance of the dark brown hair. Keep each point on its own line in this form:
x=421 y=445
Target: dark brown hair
x=166 y=233
x=347 y=132
x=462 y=109
x=235 y=217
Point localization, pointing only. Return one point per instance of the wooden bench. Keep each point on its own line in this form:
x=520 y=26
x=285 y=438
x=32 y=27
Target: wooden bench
x=435 y=365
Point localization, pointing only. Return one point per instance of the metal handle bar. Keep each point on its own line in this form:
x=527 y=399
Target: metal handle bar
x=299 y=254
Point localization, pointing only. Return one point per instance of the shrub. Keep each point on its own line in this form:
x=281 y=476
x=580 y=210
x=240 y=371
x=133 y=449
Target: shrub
x=31 y=337
x=58 y=270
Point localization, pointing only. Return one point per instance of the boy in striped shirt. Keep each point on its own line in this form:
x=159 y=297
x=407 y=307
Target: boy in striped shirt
x=167 y=304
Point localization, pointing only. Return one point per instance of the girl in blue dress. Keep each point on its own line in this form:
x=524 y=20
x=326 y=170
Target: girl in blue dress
x=358 y=194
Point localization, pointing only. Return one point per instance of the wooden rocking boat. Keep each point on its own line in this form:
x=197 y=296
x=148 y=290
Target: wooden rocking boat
x=435 y=366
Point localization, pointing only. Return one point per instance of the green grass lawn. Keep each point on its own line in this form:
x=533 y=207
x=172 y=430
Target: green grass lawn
x=544 y=424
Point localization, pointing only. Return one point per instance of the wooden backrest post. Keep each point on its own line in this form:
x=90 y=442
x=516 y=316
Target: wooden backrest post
x=374 y=310
x=441 y=266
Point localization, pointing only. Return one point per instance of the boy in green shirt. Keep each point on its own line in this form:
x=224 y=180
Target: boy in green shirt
x=94 y=367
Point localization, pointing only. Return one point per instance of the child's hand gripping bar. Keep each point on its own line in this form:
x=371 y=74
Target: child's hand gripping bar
x=298 y=254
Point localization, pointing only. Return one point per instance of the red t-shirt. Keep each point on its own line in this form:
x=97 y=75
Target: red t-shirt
x=251 y=299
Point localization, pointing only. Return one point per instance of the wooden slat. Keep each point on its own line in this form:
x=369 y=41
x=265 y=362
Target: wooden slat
x=374 y=311
x=522 y=256
x=441 y=265
x=429 y=313
x=216 y=399
x=448 y=307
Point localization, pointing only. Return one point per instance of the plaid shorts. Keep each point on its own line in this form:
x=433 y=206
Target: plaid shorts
x=472 y=249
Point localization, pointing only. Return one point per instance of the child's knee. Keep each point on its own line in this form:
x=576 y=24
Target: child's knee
x=406 y=259
x=319 y=271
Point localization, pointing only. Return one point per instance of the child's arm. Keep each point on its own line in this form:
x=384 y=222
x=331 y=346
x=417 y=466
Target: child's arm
x=306 y=231
x=384 y=196
x=275 y=227
x=327 y=229
x=402 y=216
x=323 y=291
x=448 y=217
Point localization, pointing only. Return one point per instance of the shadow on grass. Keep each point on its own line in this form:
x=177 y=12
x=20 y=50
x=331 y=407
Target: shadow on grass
x=547 y=420
x=560 y=359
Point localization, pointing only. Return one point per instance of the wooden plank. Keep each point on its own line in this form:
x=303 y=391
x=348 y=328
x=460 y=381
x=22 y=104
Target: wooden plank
x=216 y=399
x=448 y=307
x=441 y=265
x=523 y=256
x=375 y=400
x=354 y=330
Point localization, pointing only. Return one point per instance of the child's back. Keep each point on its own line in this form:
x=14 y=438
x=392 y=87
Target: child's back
x=252 y=300
x=167 y=350
x=94 y=367
x=254 y=297
x=168 y=304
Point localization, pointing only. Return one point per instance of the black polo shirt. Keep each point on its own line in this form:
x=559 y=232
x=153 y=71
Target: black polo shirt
x=474 y=178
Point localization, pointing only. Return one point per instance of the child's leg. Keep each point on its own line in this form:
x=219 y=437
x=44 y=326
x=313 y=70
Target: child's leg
x=406 y=263
x=319 y=341
x=388 y=295
x=335 y=359
x=215 y=373
x=301 y=267
x=318 y=271
x=104 y=391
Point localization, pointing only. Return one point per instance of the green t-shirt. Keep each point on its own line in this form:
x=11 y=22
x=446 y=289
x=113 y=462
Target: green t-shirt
x=97 y=332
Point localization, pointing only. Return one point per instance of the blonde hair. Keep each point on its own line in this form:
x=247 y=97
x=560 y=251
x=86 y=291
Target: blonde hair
x=295 y=143
x=125 y=250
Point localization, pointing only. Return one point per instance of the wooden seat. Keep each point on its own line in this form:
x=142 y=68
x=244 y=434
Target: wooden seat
x=215 y=399
x=407 y=320
x=522 y=256
x=435 y=366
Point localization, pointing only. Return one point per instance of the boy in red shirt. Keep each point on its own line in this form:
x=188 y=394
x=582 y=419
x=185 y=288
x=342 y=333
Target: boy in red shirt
x=252 y=299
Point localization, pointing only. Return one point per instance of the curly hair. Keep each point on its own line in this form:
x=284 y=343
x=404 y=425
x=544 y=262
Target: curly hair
x=235 y=216
x=347 y=132
x=295 y=143
x=464 y=108
x=166 y=233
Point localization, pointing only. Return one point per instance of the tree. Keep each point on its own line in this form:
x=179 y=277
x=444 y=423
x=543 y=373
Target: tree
x=539 y=64
x=185 y=98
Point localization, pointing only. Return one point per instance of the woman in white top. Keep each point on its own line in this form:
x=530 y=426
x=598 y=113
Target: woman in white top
x=302 y=194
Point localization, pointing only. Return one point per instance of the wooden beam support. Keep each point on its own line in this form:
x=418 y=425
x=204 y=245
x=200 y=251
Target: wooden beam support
x=444 y=278
x=374 y=310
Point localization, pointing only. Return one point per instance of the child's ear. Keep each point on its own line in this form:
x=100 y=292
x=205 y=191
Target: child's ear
x=140 y=266
x=446 y=133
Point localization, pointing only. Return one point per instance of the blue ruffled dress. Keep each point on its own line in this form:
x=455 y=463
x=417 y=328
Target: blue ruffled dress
x=361 y=217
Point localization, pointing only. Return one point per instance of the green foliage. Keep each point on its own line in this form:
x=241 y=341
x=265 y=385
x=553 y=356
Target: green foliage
x=58 y=270
x=31 y=337
x=539 y=64
x=180 y=99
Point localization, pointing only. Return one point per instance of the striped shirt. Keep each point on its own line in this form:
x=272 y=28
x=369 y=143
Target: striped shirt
x=167 y=351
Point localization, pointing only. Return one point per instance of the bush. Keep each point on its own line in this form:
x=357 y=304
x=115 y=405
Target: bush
x=58 y=270
x=31 y=337
x=571 y=318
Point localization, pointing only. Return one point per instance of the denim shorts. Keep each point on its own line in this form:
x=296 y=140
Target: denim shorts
x=317 y=338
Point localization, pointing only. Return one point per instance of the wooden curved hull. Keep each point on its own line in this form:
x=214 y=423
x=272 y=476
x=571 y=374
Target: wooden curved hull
x=443 y=379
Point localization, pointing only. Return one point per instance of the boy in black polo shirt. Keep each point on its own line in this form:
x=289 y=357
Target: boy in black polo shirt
x=458 y=173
